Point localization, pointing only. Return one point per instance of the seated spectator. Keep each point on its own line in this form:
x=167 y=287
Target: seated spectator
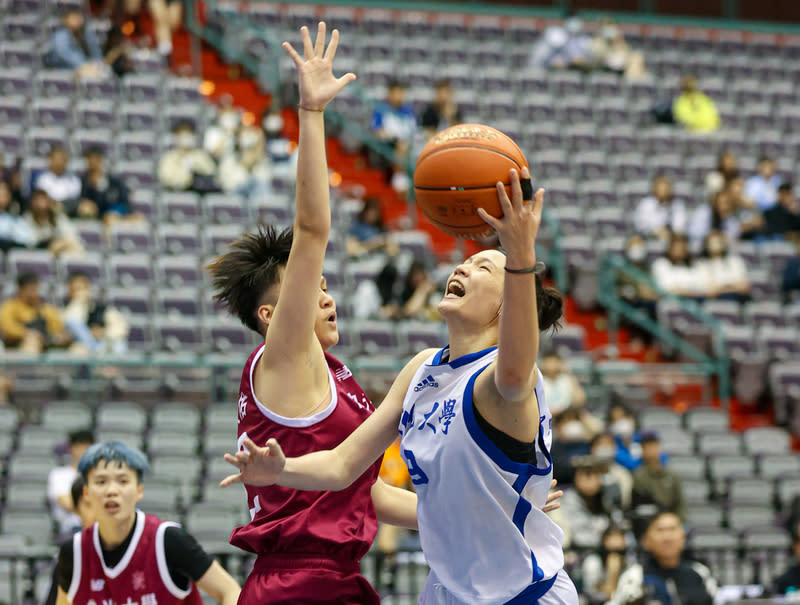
x=719 y=214
x=763 y=186
x=663 y=576
x=751 y=220
x=75 y=46
x=694 y=110
x=784 y=217
x=604 y=448
x=15 y=232
x=653 y=483
x=186 y=167
x=103 y=195
x=562 y=388
x=249 y=172
x=723 y=273
x=62 y=185
x=586 y=508
x=573 y=429
x=600 y=571
x=100 y=328
x=622 y=424
x=563 y=46
x=612 y=53
x=27 y=323
x=790 y=280
x=442 y=111
x=116 y=52
x=636 y=293
x=63 y=511
x=727 y=169
x=52 y=230
x=660 y=214
x=419 y=296
x=11 y=175
x=394 y=123
x=167 y=18
x=367 y=233
x=219 y=139
x=675 y=272
x=789 y=580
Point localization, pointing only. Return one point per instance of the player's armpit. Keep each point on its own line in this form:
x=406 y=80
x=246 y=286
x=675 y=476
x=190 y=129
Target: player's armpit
x=219 y=584
x=394 y=505
x=61 y=598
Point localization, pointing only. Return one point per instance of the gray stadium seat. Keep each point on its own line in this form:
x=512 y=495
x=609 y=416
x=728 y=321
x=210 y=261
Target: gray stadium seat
x=121 y=415
x=706 y=419
x=767 y=440
x=62 y=415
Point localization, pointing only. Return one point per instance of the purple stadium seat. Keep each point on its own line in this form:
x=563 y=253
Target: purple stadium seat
x=143 y=201
x=417 y=242
x=83 y=140
x=91 y=263
x=142 y=87
x=184 y=90
x=727 y=311
x=136 y=300
x=180 y=207
x=39 y=262
x=41 y=140
x=179 y=335
x=569 y=340
x=179 y=239
x=179 y=271
x=589 y=165
x=100 y=88
x=131 y=237
x=766 y=313
x=273 y=211
x=180 y=303
x=779 y=343
x=137 y=145
x=579 y=250
x=94 y=113
x=136 y=174
x=228 y=335
x=607 y=222
x=13 y=109
x=571 y=219
x=15 y=81
x=131 y=269
x=217 y=237
x=225 y=209
x=419 y=335
x=598 y=193
x=21 y=26
x=377 y=337
x=552 y=163
x=626 y=166
x=174 y=114
x=140 y=116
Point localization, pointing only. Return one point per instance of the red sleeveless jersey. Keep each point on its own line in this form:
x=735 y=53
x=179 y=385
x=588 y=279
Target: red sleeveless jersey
x=140 y=578
x=336 y=524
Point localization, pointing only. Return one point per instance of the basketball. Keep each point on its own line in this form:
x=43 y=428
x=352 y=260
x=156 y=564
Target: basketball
x=457 y=173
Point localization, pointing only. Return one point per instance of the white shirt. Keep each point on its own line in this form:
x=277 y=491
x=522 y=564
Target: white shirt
x=723 y=272
x=60 y=482
x=678 y=279
x=60 y=188
x=651 y=215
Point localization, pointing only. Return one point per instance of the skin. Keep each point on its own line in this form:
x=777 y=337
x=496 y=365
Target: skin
x=665 y=540
x=112 y=490
x=58 y=162
x=651 y=452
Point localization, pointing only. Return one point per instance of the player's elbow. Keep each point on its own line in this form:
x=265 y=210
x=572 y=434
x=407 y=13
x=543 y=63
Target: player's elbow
x=513 y=385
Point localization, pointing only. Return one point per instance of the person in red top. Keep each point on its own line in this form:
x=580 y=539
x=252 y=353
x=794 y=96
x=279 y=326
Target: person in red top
x=309 y=544
x=128 y=557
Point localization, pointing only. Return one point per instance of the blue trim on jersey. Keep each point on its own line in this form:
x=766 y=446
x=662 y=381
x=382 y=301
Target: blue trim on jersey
x=461 y=361
x=533 y=592
x=488 y=446
x=521 y=512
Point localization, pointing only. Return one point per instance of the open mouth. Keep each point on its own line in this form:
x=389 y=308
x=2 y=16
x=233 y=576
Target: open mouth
x=332 y=318
x=455 y=289
x=111 y=507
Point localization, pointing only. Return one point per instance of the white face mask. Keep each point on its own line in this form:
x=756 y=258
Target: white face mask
x=572 y=430
x=623 y=427
x=185 y=140
x=637 y=253
x=273 y=123
x=229 y=121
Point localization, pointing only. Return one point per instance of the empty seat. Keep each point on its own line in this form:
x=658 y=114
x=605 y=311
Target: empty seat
x=177 y=417
x=179 y=272
x=658 y=418
x=165 y=441
x=743 y=490
x=228 y=334
x=66 y=415
x=771 y=466
x=719 y=443
x=179 y=335
x=767 y=440
x=780 y=343
x=688 y=467
x=698 y=515
x=186 y=468
x=707 y=419
x=131 y=237
x=744 y=517
x=184 y=303
x=113 y=415
x=131 y=269
x=131 y=300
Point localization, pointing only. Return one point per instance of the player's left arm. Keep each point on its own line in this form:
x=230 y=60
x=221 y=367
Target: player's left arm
x=61 y=598
x=394 y=505
x=219 y=584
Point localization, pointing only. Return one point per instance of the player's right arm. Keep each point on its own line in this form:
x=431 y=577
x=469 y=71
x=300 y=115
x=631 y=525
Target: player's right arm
x=61 y=598
x=328 y=469
x=291 y=329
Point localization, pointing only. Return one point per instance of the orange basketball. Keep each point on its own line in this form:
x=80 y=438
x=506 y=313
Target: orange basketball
x=457 y=173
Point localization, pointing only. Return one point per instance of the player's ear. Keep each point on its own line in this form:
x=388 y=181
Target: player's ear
x=139 y=491
x=264 y=313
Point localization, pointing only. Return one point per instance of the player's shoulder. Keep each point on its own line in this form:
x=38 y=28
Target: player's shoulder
x=420 y=358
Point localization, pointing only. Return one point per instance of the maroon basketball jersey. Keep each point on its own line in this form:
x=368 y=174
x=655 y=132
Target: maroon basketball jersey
x=337 y=524
x=140 y=578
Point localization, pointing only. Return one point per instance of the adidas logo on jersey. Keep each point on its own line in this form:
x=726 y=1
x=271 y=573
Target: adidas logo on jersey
x=426 y=382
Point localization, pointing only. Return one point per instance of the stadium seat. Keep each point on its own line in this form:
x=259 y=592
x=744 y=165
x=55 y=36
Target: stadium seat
x=767 y=440
x=66 y=415
x=718 y=443
x=706 y=419
x=121 y=415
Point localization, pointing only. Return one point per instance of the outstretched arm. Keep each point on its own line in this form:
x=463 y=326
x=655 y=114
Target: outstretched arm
x=394 y=505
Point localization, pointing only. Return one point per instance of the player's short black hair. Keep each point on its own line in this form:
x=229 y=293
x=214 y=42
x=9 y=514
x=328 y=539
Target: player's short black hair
x=27 y=278
x=76 y=491
x=242 y=276
x=81 y=436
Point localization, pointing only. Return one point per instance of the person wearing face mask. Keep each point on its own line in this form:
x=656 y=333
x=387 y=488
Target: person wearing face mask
x=675 y=272
x=660 y=214
x=103 y=195
x=720 y=214
x=724 y=274
x=572 y=430
x=604 y=448
x=219 y=139
x=637 y=293
x=185 y=167
x=653 y=483
x=563 y=389
x=622 y=425
x=249 y=171
x=600 y=571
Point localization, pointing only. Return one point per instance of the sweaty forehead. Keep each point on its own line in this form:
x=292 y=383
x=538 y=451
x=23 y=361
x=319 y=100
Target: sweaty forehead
x=495 y=256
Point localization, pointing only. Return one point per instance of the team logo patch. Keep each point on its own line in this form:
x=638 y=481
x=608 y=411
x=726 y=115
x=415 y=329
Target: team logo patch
x=138 y=580
x=97 y=585
x=425 y=383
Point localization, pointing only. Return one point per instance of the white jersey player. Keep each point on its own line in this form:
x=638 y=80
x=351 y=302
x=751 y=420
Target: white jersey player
x=475 y=431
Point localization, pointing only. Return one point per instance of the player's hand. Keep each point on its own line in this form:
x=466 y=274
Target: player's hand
x=257 y=465
x=318 y=86
x=553 y=498
x=519 y=225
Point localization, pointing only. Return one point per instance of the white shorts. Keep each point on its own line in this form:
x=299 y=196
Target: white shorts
x=562 y=592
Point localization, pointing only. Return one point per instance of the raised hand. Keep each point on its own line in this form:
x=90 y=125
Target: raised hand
x=318 y=86
x=519 y=225
x=258 y=465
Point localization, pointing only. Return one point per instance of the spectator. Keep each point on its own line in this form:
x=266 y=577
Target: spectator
x=600 y=571
x=116 y=52
x=442 y=112
x=653 y=483
x=790 y=280
x=15 y=232
x=586 y=508
x=660 y=214
x=784 y=217
x=563 y=46
x=726 y=170
x=604 y=448
x=763 y=186
x=62 y=185
x=394 y=123
x=419 y=296
x=6 y=388
x=219 y=139
x=103 y=195
x=789 y=580
x=12 y=176
x=751 y=220
x=27 y=323
x=59 y=487
x=98 y=327
x=249 y=172
x=51 y=229
x=675 y=272
x=693 y=109
x=636 y=292
x=664 y=576
x=720 y=214
x=75 y=46
x=573 y=429
x=622 y=424
x=186 y=167
x=723 y=273
x=562 y=388
x=167 y=18
x=612 y=53
x=367 y=233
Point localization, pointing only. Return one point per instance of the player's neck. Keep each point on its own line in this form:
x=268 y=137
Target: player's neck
x=113 y=532
x=464 y=343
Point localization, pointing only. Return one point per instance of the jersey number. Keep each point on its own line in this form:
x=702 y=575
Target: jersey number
x=418 y=476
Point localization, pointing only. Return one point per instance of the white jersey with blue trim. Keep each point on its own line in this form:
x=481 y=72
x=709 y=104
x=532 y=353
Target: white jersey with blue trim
x=480 y=520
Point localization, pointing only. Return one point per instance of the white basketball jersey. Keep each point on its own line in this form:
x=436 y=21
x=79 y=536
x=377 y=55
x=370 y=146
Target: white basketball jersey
x=480 y=519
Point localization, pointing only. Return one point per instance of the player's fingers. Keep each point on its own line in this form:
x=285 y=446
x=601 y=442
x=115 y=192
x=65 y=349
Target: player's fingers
x=551 y=507
x=298 y=60
x=319 y=46
x=308 y=48
x=488 y=218
x=330 y=53
x=233 y=460
x=251 y=447
x=346 y=79
x=230 y=480
x=242 y=458
x=553 y=483
x=502 y=196
x=538 y=202
x=516 y=189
